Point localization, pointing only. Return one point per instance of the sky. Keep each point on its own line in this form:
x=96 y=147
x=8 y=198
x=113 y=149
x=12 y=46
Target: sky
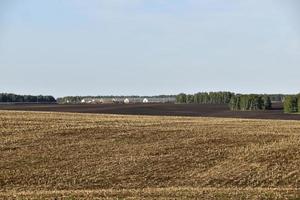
x=149 y=47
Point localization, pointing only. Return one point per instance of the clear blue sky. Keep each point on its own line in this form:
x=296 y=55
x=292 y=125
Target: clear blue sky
x=147 y=47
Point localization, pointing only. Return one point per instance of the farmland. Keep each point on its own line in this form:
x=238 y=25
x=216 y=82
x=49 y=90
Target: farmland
x=83 y=156
x=196 y=110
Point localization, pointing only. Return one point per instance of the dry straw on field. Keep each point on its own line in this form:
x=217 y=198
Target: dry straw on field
x=48 y=155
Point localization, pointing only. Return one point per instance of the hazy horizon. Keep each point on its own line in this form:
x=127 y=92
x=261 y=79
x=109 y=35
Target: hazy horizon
x=149 y=47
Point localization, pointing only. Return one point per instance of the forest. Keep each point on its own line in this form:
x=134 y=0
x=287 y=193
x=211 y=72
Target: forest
x=292 y=104
x=235 y=101
x=16 y=98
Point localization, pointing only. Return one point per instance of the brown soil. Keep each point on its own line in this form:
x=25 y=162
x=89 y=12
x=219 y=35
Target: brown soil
x=159 y=110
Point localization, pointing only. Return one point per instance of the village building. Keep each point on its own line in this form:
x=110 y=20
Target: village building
x=145 y=100
x=126 y=101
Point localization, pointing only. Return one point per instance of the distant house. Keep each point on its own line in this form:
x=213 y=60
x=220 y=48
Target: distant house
x=145 y=100
x=118 y=100
x=126 y=101
x=106 y=100
x=85 y=100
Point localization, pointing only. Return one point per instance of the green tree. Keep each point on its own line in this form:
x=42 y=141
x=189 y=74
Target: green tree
x=181 y=98
x=233 y=103
x=197 y=98
x=290 y=104
x=298 y=102
x=248 y=102
x=244 y=102
x=190 y=98
x=267 y=103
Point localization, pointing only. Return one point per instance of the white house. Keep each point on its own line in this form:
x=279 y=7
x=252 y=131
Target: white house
x=145 y=100
x=126 y=101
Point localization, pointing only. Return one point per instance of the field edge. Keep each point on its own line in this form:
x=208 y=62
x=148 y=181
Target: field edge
x=172 y=192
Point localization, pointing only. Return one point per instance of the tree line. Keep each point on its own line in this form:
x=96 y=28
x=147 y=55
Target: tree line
x=250 y=102
x=291 y=104
x=235 y=101
x=15 y=98
x=205 y=98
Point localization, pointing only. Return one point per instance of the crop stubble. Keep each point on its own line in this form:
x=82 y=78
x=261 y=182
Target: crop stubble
x=45 y=155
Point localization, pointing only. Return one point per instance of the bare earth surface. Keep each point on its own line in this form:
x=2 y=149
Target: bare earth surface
x=84 y=156
x=159 y=110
